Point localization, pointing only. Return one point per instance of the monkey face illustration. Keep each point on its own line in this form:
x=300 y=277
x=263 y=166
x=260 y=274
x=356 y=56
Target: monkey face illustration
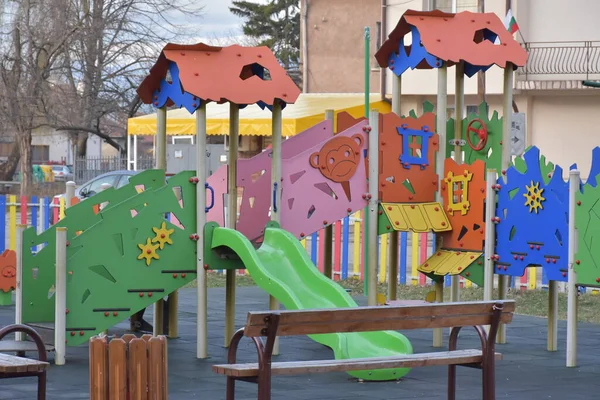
x=338 y=158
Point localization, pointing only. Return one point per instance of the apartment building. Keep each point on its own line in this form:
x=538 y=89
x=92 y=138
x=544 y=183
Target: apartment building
x=562 y=38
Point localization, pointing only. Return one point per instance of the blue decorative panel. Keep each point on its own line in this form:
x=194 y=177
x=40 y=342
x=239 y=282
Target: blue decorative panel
x=532 y=220
x=410 y=143
x=400 y=62
x=175 y=91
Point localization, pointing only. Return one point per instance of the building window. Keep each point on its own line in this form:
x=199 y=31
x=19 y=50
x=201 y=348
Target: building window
x=40 y=154
x=454 y=6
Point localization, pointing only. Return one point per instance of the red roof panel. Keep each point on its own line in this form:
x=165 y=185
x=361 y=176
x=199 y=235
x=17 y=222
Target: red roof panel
x=456 y=37
x=222 y=74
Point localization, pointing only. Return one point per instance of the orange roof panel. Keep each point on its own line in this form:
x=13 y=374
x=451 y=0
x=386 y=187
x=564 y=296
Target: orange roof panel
x=220 y=74
x=456 y=37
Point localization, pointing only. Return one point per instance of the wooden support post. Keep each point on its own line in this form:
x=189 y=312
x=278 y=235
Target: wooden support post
x=490 y=236
x=276 y=124
x=506 y=127
x=394 y=236
x=442 y=105
x=202 y=316
x=234 y=126
x=459 y=106
x=572 y=275
x=19 y=280
x=60 y=296
x=328 y=231
x=160 y=161
x=373 y=204
x=552 y=315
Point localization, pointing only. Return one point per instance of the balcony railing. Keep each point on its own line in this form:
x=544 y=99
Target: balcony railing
x=561 y=60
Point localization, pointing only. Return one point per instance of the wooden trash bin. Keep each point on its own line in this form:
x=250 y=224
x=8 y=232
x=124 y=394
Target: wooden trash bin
x=128 y=368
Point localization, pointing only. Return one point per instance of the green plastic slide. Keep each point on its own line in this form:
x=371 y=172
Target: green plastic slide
x=283 y=269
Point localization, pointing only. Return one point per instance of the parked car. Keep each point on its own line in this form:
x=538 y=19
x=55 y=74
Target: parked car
x=116 y=179
x=62 y=173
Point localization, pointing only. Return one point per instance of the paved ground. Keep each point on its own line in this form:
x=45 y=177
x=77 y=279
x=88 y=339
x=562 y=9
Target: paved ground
x=527 y=372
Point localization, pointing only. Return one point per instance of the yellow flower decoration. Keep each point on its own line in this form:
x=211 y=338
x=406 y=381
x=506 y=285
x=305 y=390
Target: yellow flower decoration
x=163 y=235
x=148 y=251
x=534 y=197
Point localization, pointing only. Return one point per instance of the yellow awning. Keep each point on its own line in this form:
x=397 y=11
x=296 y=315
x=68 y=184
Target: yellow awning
x=308 y=110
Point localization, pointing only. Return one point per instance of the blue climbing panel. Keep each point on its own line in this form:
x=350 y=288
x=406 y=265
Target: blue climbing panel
x=174 y=91
x=533 y=220
x=401 y=61
x=419 y=139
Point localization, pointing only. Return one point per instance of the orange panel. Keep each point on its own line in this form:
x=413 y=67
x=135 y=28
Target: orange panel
x=466 y=215
x=453 y=37
x=346 y=121
x=403 y=182
x=217 y=74
x=8 y=271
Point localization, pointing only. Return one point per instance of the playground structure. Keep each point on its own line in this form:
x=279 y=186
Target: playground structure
x=122 y=250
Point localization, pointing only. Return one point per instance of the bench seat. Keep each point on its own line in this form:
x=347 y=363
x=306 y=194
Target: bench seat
x=18 y=365
x=246 y=370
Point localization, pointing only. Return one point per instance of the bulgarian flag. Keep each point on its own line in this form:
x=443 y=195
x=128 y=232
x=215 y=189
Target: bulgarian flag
x=511 y=23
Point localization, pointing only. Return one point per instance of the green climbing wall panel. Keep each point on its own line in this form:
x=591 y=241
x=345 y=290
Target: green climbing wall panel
x=491 y=154
x=587 y=223
x=132 y=253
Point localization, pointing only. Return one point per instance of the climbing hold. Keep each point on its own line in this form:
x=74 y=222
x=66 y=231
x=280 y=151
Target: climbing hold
x=149 y=294
x=81 y=333
x=183 y=275
x=148 y=251
x=72 y=333
x=141 y=294
x=163 y=235
x=174 y=275
x=106 y=313
x=115 y=314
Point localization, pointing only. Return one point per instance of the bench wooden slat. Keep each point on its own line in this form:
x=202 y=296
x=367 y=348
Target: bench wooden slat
x=356 y=364
x=363 y=319
x=13 y=364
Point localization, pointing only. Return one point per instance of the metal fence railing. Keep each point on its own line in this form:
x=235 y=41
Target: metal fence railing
x=86 y=168
x=562 y=58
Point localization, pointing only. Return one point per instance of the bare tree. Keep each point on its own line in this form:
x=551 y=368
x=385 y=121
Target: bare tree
x=107 y=59
x=33 y=35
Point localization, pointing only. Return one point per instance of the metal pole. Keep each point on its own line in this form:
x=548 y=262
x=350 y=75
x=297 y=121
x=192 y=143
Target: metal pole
x=60 y=297
x=459 y=105
x=19 y=279
x=490 y=236
x=70 y=193
x=394 y=236
x=160 y=162
x=276 y=123
x=366 y=213
x=507 y=115
x=572 y=276
x=328 y=231
x=373 y=202
x=234 y=122
x=135 y=153
x=552 y=315
x=202 y=316
x=442 y=106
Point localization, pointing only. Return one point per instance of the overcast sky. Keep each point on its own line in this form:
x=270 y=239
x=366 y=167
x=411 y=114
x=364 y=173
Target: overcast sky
x=218 y=21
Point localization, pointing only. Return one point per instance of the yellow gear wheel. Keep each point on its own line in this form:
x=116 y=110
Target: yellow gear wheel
x=163 y=235
x=534 y=197
x=148 y=251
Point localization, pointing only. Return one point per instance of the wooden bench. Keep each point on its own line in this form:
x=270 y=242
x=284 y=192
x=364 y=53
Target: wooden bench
x=17 y=367
x=270 y=324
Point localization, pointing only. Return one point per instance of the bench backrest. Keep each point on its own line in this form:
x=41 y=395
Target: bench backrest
x=363 y=319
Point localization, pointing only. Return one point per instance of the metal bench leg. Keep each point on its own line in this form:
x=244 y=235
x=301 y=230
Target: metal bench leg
x=451 y=382
x=230 y=388
x=42 y=386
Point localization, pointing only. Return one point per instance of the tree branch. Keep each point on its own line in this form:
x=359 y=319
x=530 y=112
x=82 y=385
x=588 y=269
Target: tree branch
x=96 y=132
